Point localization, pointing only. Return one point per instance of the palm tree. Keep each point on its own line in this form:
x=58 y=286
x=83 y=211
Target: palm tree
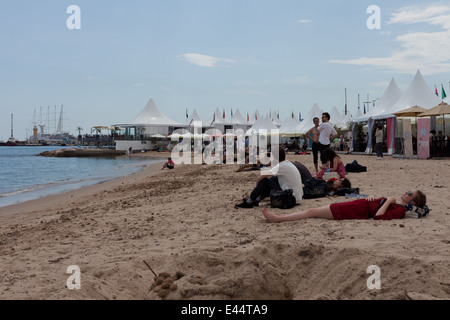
x=79 y=130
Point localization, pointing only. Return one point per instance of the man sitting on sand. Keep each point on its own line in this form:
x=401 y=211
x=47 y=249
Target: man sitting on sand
x=283 y=176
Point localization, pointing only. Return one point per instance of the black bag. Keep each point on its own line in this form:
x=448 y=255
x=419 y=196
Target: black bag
x=355 y=167
x=344 y=191
x=282 y=199
x=315 y=188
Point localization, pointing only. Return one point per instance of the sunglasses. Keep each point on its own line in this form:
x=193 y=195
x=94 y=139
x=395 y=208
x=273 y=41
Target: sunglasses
x=409 y=193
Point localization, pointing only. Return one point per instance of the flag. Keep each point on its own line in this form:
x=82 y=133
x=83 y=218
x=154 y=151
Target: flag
x=443 y=93
x=232 y=112
x=187 y=116
x=224 y=113
x=278 y=114
x=436 y=91
x=248 y=119
x=299 y=116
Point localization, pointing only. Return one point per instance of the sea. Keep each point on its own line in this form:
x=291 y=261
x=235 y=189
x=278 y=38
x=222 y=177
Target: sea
x=26 y=176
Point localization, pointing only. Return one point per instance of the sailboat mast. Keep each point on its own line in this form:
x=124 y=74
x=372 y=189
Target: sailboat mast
x=12 y=123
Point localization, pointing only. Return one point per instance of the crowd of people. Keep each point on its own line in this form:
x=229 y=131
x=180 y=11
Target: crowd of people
x=287 y=175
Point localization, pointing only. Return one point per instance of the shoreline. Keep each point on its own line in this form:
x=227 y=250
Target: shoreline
x=44 y=202
x=184 y=221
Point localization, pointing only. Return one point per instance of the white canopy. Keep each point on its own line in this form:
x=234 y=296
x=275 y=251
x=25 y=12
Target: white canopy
x=307 y=122
x=196 y=118
x=151 y=115
x=262 y=124
x=389 y=98
x=337 y=119
x=237 y=118
x=447 y=100
x=418 y=94
x=289 y=126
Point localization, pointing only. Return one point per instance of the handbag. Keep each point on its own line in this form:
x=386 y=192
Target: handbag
x=282 y=199
x=315 y=188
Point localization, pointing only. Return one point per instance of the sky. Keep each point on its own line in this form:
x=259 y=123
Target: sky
x=104 y=62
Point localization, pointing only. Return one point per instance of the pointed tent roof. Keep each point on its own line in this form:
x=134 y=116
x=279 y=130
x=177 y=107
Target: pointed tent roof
x=389 y=98
x=151 y=115
x=275 y=119
x=289 y=126
x=264 y=124
x=237 y=118
x=307 y=122
x=336 y=118
x=195 y=117
x=447 y=100
x=217 y=117
x=418 y=93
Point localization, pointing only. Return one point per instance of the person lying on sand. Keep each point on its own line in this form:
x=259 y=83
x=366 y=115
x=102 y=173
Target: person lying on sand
x=370 y=208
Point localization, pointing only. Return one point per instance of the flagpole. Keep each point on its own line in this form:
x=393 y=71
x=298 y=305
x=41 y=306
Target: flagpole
x=345 y=101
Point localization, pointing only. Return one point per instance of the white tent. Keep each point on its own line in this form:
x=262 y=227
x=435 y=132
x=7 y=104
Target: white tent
x=151 y=115
x=417 y=94
x=447 y=100
x=289 y=126
x=238 y=118
x=389 y=98
x=195 y=118
x=337 y=119
x=261 y=124
x=217 y=118
x=275 y=119
x=307 y=122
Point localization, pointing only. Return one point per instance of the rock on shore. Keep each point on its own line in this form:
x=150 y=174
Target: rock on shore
x=74 y=152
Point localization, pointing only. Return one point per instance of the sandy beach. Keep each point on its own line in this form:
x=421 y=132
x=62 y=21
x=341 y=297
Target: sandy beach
x=183 y=222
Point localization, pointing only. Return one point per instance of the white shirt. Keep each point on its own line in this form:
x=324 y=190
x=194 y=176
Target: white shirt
x=326 y=130
x=289 y=178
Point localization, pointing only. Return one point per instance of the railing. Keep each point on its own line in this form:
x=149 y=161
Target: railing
x=439 y=147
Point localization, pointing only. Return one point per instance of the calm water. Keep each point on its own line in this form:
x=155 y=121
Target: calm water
x=25 y=176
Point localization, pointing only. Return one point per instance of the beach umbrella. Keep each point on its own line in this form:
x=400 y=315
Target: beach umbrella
x=157 y=136
x=410 y=112
x=228 y=134
x=175 y=136
x=440 y=110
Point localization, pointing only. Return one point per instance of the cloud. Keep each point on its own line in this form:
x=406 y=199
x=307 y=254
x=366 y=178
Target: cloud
x=427 y=51
x=204 y=60
x=304 y=21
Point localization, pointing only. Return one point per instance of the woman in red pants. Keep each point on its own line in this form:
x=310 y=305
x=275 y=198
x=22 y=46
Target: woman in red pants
x=370 y=208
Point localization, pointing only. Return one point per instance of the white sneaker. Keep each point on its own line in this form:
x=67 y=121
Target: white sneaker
x=378 y=158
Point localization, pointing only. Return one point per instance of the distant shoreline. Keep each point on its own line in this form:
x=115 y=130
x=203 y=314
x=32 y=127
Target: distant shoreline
x=85 y=188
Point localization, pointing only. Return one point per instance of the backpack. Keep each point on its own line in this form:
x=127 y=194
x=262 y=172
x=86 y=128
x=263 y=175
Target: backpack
x=315 y=188
x=355 y=167
x=345 y=191
x=282 y=199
